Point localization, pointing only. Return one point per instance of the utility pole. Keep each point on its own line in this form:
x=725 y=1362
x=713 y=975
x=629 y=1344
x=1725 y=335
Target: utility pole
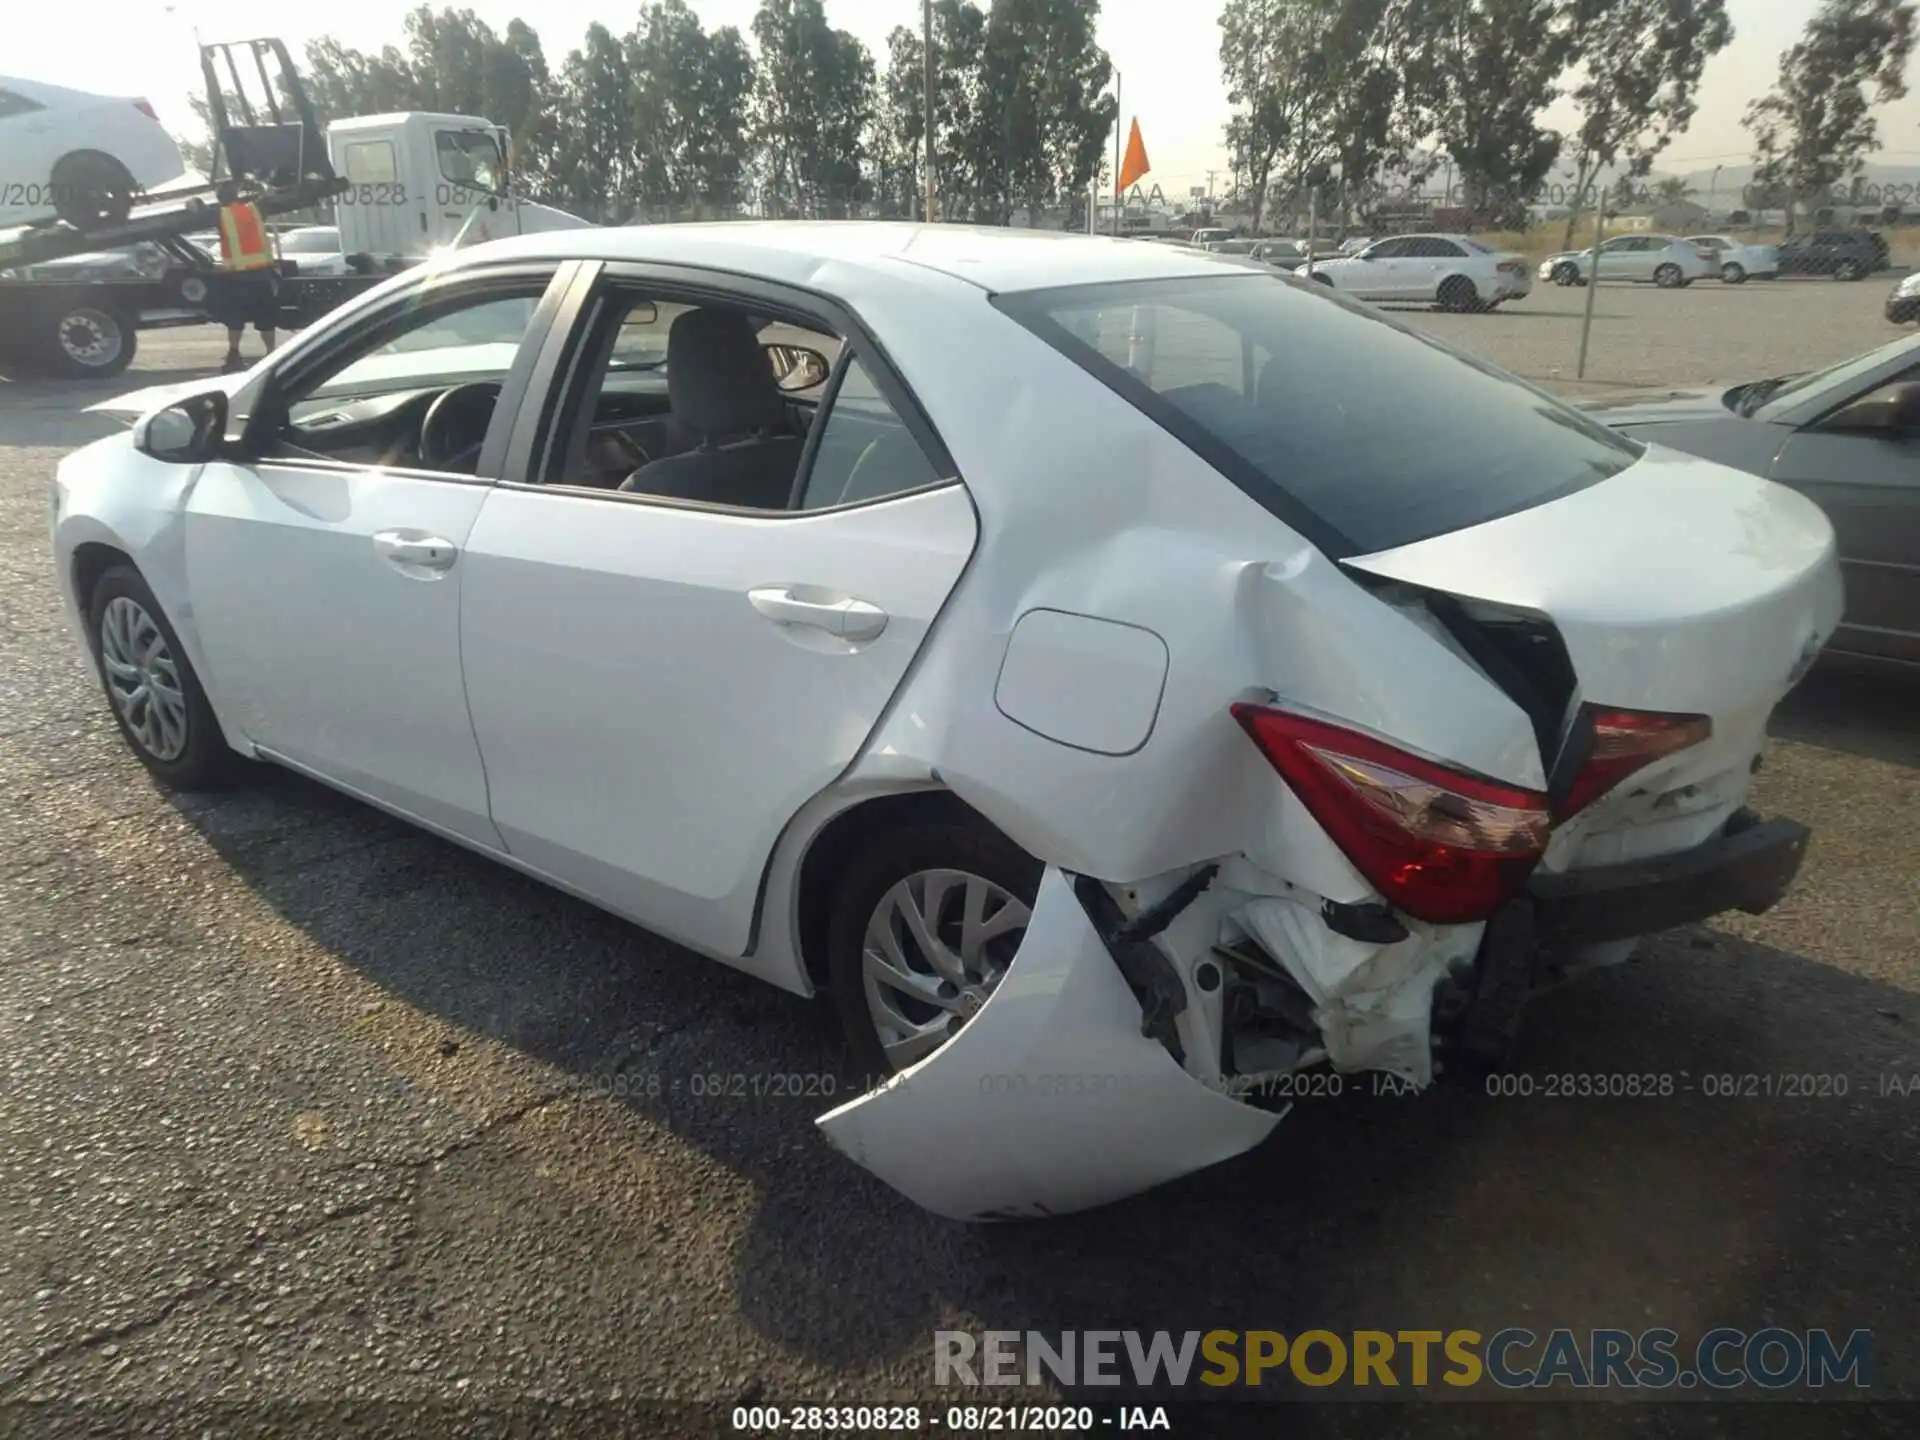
x=1593 y=284
x=1117 y=121
x=926 y=91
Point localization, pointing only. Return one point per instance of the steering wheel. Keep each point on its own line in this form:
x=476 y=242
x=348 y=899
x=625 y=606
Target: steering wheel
x=455 y=426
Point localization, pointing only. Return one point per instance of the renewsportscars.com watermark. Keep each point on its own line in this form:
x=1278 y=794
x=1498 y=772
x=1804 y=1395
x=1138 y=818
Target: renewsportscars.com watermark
x=1512 y=1359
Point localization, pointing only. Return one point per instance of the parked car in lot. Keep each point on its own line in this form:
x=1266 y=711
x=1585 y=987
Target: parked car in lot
x=1843 y=254
x=1739 y=262
x=1259 y=735
x=1665 y=260
x=144 y=261
x=313 y=250
x=1281 y=254
x=1847 y=437
x=81 y=158
x=1210 y=235
x=1903 y=305
x=1455 y=272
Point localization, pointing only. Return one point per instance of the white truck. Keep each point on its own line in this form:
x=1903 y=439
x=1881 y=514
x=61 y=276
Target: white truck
x=402 y=186
x=419 y=182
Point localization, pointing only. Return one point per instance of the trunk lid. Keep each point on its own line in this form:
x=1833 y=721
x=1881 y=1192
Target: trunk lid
x=1677 y=585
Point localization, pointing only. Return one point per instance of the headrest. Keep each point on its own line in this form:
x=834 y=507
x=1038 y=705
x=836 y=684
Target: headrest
x=719 y=379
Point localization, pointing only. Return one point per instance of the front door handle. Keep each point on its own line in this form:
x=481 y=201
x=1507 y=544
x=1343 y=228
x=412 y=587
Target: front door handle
x=848 y=618
x=414 y=550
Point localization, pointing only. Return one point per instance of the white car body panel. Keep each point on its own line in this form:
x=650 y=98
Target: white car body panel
x=327 y=657
x=666 y=680
x=1066 y=630
x=69 y=121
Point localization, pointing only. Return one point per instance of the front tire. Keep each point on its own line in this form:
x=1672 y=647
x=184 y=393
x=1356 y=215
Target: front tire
x=1565 y=274
x=91 y=188
x=1668 y=277
x=1849 y=270
x=924 y=923
x=157 y=700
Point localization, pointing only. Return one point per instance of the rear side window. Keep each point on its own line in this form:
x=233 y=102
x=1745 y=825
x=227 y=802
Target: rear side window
x=12 y=102
x=1359 y=432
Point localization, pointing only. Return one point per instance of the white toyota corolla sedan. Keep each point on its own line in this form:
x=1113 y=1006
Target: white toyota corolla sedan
x=1128 y=682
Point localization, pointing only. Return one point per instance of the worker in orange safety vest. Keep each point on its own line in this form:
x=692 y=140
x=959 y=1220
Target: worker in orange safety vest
x=249 y=293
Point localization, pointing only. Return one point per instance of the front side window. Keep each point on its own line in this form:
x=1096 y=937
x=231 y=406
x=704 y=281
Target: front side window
x=1362 y=433
x=470 y=158
x=376 y=404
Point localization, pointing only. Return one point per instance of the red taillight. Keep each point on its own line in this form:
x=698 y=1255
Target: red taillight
x=1439 y=844
x=1624 y=741
x=145 y=109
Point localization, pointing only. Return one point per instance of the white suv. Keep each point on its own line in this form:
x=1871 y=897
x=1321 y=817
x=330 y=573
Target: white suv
x=83 y=158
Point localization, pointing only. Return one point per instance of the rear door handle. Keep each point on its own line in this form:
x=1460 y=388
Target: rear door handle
x=414 y=550
x=848 y=618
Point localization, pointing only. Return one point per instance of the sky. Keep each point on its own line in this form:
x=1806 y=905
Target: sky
x=1167 y=56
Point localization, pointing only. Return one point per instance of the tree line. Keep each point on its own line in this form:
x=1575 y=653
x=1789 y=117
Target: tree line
x=671 y=120
x=1364 y=94
x=1363 y=99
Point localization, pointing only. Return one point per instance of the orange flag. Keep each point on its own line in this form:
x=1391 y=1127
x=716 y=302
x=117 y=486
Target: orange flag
x=1135 y=165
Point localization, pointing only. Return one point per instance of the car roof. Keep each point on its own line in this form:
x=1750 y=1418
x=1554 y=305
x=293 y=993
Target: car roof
x=993 y=258
x=42 y=93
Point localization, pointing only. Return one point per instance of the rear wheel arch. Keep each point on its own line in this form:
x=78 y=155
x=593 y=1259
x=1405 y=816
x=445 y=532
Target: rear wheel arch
x=842 y=839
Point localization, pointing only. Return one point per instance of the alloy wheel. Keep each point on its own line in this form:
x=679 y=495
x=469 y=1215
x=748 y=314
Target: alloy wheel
x=143 y=678
x=935 y=948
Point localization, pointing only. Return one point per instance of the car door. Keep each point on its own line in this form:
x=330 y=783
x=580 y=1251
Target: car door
x=1868 y=483
x=1435 y=259
x=325 y=568
x=659 y=684
x=1376 y=273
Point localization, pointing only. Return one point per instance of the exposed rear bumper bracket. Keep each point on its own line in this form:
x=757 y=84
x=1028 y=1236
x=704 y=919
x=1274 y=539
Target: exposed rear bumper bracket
x=1749 y=867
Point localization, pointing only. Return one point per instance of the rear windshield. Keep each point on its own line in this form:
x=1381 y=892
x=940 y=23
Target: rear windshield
x=1359 y=432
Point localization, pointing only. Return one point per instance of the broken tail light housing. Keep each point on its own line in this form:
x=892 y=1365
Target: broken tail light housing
x=1440 y=844
x=1613 y=744
x=146 y=109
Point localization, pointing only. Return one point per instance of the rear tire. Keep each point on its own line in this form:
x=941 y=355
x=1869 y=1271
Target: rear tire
x=1733 y=274
x=1668 y=277
x=91 y=188
x=88 y=342
x=931 y=865
x=157 y=700
x=1457 y=294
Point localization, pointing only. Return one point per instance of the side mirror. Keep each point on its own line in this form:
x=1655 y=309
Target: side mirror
x=1890 y=410
x=188 y=432
x=795 y=367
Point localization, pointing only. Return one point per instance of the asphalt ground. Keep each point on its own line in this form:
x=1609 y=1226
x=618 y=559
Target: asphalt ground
x=302 y=1109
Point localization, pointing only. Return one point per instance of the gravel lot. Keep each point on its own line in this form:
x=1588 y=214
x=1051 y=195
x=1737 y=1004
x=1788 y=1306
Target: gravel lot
x=301 y=1105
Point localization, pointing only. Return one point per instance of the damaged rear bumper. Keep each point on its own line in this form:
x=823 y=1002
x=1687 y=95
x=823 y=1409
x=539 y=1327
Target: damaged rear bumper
x=1748 y=867
x=1050 y=1100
